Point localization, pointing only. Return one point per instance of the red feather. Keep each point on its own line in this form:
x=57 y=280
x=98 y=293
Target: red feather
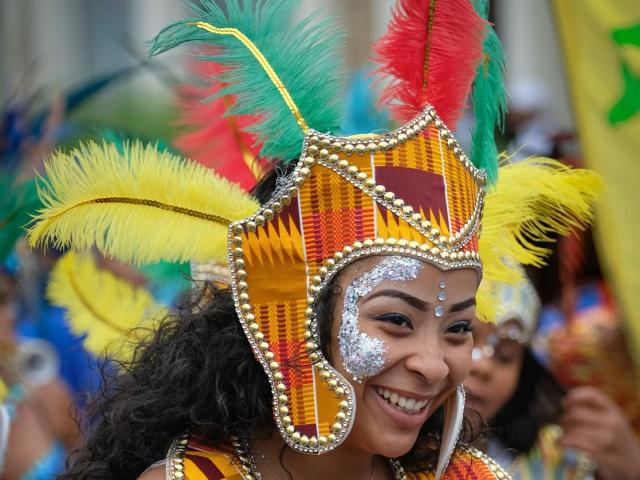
x=430 y=51
x=212 y=139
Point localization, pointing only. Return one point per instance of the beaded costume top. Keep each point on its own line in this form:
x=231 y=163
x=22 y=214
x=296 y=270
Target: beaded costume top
x=192 y=459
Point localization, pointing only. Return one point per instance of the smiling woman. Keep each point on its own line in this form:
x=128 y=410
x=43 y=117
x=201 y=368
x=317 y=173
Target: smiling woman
x=419 y=357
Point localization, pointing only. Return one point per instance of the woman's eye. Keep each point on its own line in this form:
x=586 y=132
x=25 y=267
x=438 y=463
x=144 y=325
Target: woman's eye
x=396 y=318
x=505 y=355
x=460 y=327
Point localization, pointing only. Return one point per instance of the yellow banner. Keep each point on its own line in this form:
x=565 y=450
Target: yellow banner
x=601 y=41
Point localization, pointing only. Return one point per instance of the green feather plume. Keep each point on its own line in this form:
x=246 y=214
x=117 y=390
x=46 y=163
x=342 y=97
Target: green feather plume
x=17 y=202
x=489 y=100
x=304 y=56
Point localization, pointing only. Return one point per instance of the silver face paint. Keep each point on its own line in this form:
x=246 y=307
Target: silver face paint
x=362 y=355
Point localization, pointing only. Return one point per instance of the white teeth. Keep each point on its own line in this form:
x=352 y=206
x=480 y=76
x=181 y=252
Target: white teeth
x=408 y=405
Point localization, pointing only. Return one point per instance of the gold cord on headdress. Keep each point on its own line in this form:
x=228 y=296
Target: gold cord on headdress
x=264 y=63
x=149 y=203
x=247 y=157
x=427 y=47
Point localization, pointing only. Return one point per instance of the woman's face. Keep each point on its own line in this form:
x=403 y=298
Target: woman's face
x=403 y=327
x=495 y=369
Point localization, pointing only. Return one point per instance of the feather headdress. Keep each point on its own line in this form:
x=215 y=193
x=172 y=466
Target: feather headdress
x=18 y=201
x=430 y=53
x=102 y=307
x=278 y=71
x=489 y=100
x=534 y=202
x=211 y=137
x=139 y=206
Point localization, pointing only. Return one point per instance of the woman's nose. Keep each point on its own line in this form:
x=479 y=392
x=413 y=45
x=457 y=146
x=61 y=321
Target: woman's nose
x=428 y=361
x=480 y=363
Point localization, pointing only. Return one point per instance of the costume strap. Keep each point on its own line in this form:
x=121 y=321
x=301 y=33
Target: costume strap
x=191 y=458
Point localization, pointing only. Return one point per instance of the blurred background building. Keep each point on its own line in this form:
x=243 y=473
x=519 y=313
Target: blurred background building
x=68 y=41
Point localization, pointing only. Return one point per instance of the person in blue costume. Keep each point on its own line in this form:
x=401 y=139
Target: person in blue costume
x=37 y=428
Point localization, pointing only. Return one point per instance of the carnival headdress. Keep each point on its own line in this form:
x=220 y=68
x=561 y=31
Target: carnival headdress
x=411 y=192
x=517 y=303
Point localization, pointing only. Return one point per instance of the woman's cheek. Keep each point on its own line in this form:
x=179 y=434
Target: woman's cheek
x=363 y=355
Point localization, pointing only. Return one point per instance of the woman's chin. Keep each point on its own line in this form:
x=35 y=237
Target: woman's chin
x=396 y=449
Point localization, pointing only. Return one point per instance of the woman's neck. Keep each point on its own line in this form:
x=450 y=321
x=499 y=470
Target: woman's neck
x=343 y=462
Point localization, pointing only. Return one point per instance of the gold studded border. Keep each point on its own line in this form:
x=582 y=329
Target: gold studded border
x=174 y=467
x=499 y=472
x=333 y=380
x=326 y=150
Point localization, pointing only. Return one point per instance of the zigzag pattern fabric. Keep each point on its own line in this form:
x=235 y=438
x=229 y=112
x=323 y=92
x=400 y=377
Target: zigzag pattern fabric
x=198 y=461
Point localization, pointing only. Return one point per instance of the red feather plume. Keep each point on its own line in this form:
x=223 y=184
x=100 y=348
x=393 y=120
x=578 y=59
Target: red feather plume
x=212 y=139
x=430 y=51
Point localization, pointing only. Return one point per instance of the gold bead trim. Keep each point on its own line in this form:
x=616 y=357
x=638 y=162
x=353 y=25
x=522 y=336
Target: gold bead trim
x=341 y=389
x=329 y=151
x=249 y=470
x=499 y=472
x=175 y=459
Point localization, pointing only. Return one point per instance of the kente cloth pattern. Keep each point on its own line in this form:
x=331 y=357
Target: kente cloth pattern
x=280 y=255
x=202 y=462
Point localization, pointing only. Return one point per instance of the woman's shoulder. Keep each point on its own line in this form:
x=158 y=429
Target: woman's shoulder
x=468 y=462
x=191 y=457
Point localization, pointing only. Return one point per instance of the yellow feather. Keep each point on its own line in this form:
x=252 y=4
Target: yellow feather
x=4 y=390
x=534 y=201
x=102 y=306
x=140 y=206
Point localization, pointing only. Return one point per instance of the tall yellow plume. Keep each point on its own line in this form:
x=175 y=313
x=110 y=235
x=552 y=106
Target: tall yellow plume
x=140 y=206
x=102 y=306
x=533 y=202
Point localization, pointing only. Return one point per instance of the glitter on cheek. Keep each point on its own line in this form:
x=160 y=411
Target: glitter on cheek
x=362 y=355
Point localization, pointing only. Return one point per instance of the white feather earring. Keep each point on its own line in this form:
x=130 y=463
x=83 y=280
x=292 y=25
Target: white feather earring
x=453 y=417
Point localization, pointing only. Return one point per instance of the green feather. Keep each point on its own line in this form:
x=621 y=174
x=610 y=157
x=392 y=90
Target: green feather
x=17 y=202
x=167 y=279
x=489 y=100
x=303 y=55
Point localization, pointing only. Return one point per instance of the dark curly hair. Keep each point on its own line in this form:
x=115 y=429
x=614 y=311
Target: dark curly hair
x=197 y=374
x=535 y=403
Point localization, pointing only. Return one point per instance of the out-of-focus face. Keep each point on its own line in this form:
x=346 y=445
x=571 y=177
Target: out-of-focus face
x=404 y=328
x=495 y=369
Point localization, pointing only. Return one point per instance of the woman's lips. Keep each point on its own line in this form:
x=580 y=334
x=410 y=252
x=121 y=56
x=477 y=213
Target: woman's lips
x=404 y=408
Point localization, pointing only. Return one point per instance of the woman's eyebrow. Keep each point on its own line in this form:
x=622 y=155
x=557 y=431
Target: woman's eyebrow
x=410 y=299
x=458 y=307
